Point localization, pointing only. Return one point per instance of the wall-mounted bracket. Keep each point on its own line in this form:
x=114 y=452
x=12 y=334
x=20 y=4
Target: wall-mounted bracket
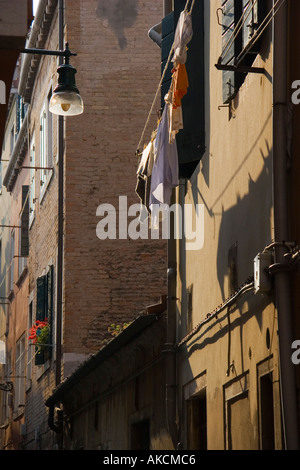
x=240 y=68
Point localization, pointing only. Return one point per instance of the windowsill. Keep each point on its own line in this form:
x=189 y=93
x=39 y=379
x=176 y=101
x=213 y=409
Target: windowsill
x=22 y=276
x=45 y=185
x=11 y=295
x=18 y=412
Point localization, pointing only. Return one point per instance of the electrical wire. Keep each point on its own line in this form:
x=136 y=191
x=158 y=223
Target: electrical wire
x=248 y=285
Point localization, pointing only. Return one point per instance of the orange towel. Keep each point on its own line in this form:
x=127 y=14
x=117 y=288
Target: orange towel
x=181 y=84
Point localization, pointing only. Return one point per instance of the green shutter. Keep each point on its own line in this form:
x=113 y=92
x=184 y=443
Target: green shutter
x=50 y=306
x=166 y=44
x=40 y=313
x=41 y=298
x=44 y=309
x=232 y=11
x=191 y=139
x=25 y=222
x=253 y=19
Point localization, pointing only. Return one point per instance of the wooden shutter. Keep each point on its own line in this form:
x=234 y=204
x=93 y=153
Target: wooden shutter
x=44 y=309
x=41 y=296
x=50 y=306
x=191 y=139
x=168 y=32
x=24 y=231
x=232 y=11
x=253 y=14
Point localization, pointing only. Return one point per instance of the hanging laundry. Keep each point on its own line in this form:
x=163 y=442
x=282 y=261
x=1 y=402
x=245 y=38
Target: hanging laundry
x=183 y=35
x=181 y=83
x=175 y=115
x=165 y=166
x=178 y=88
x=144 y=172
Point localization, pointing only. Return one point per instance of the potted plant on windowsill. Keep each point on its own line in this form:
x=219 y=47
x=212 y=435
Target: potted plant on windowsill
x=39 y=334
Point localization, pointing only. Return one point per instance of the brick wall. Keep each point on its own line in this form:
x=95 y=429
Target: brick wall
x=107 y=281
x=118 y=66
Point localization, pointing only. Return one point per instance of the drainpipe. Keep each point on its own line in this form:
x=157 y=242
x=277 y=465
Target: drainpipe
x=280 y=188
x=155 y=34
x=60 y=209
x=171 y=363
x=169 y=348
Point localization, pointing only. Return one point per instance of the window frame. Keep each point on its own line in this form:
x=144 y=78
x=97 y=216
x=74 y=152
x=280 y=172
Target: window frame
x=19 y=383
x=46 y=145
x=12 y=260
x=32 y=180
x=238 y=51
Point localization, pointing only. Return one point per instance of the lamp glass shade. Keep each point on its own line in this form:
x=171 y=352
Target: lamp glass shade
x=66 y=103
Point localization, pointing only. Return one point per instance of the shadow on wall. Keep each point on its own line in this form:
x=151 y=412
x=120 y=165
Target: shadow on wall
x=245 y=229
x=118 y=15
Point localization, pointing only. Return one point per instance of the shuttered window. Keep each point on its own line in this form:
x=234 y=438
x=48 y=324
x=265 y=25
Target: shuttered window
x=46 y=150
x=19 y=384
x=24 y=231
x=191 y=139
x=240 y=22
x=44 y=309
x=12 y=261
x=32 y=179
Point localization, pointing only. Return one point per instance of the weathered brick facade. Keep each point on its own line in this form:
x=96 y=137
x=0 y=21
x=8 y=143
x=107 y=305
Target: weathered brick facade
x=104 y=281
x=107 y=281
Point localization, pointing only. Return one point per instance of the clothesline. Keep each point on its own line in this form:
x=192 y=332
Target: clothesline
x=158 y=171
x=160 y=82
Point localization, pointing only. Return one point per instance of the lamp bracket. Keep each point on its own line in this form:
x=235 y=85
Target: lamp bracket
x=66 y=53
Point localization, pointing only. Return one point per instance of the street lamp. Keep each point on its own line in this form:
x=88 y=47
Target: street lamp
x=66 y=100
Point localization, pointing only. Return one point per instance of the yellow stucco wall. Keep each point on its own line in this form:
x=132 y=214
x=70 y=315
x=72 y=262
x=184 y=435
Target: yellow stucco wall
x=234 y=183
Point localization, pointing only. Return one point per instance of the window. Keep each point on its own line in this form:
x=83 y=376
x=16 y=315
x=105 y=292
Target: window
x=44 y=310
x=197 y=422
x=239 y=430
x=191 y=139
x=268 y=409
x=19 y=384
x=23 y=232
x=267 y=437
x=30 y=348
x=7 y=402
x=21 y=109
x=12 y=261
x=140 y=435
x=46 y=129
x=241 y=20
x=12 y=139
x=32 y=180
